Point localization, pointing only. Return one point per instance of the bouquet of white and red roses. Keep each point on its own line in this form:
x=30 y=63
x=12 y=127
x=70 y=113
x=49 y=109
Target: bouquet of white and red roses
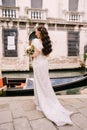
x=29 y=50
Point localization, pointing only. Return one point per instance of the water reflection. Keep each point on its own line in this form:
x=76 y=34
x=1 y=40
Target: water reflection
x=55 y=73
x=66 y=73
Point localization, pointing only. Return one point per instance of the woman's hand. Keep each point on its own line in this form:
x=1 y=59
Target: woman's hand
x=35 y=54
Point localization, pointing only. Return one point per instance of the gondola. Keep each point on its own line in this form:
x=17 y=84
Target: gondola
x=58 y=84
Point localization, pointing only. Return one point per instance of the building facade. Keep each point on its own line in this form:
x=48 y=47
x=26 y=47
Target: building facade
x=66 y=21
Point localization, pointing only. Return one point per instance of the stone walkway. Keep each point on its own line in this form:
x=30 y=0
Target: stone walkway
x=19 y=113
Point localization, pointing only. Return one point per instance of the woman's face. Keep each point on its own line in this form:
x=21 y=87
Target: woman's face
x=38 y=34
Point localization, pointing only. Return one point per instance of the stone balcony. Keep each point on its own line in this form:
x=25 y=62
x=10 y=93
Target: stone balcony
x=19 y=113
x=13 y=13
x=9 y=12
x=36 y=14
x=73 y=16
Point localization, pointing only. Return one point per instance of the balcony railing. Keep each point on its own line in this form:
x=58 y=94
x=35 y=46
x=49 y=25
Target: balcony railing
x=74 y=16
x=36 y=14
x=9 y=12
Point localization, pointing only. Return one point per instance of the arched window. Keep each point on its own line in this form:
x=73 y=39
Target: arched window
x=36 y=3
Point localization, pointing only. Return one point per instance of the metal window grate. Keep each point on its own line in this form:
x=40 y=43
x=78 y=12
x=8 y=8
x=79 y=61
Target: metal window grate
x=10 y=38
x=73 y=43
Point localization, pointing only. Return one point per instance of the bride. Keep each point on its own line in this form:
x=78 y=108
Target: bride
x=45 y=98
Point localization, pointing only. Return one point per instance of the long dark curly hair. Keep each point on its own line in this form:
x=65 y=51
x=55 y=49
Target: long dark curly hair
x=46 y=42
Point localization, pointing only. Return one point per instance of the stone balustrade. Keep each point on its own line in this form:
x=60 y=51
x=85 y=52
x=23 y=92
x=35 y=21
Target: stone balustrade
x=73 y=16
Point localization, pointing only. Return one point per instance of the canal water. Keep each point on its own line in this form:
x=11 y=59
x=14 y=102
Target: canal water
x=52 y=74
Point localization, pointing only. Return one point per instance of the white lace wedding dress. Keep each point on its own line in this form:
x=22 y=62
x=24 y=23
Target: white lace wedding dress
x=46 y=100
